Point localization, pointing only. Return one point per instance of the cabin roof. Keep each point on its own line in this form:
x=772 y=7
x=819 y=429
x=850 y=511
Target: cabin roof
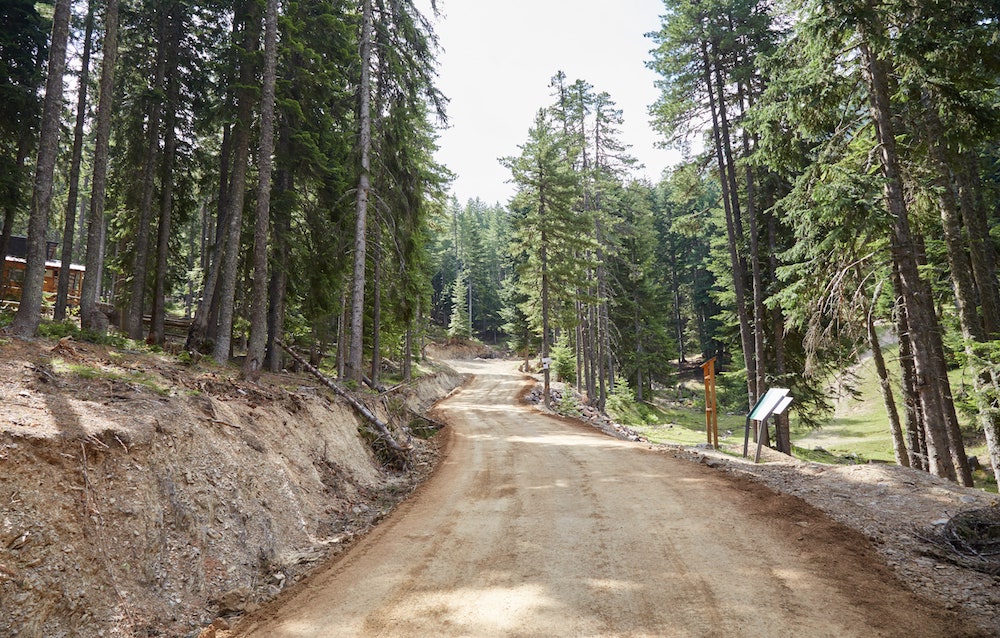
x=49 y=263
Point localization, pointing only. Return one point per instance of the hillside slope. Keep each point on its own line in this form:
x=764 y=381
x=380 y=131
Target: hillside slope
x=142 y=497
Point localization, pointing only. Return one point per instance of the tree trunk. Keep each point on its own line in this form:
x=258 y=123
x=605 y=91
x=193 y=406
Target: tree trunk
x=982 y=251
x=587 y=360
x=983 y=259
x=759 y=316
x=89 y=317
x=782 y=422
x=195 y=243
x=207 y=310
x=915 y=437
x=885 y=385
x=720 y=129
x=675 y=289
x=342 y=320
x=593 y=357
x=214 y=237
x=226 y=294
x=759 y=313
x=69 y=225
x=377 y=303
x=258 y=309
x=198 y=331
x=356 y=350
x=604 y=374
x=362 y=409
x=132 y=317
x=639 y=363
x=29 y=311
x=80 y=238
x=158 y=313
x=578 y=344
x=544 y=262
x=961 y=272
x=912 y=290
x=408 y=354
x=279 y=272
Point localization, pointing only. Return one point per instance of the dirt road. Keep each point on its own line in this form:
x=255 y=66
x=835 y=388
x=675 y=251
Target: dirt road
x=535 y=526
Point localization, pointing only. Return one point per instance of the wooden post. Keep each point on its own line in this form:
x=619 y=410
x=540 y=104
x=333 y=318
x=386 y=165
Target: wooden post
x=711 y=407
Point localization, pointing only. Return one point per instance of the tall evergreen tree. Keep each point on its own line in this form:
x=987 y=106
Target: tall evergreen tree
x=23 y=52
x=460 y=324
x=69 y=222
x=258 y=311
x=396 y=48
x=705 y=55
x=825 y=144
x=29 y=311
x=90 y=316
x=550 y=234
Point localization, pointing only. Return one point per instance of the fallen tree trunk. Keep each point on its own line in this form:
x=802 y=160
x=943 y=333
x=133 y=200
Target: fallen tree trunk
x=378 y=387
x=361 y=408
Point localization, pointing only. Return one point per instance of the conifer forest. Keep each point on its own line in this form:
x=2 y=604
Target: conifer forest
x=264 y=171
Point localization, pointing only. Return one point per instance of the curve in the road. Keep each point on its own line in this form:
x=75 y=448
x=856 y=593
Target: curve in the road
x=535 y=526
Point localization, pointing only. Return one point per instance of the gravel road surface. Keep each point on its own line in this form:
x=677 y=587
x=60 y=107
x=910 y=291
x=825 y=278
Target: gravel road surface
x=539 y=526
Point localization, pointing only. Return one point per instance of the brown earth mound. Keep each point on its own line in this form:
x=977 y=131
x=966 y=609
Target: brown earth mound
x=143 y=497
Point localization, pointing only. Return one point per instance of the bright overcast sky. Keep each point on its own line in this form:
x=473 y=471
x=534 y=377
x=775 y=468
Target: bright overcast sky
x=495 y=69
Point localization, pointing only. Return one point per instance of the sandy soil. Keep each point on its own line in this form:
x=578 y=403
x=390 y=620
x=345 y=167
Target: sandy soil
x=536 y=526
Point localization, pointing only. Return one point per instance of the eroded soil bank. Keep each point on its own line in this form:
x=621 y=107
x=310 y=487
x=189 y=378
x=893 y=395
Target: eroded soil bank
x=143 y=497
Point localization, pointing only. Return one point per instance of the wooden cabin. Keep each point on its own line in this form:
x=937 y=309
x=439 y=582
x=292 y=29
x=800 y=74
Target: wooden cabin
x=13 y=274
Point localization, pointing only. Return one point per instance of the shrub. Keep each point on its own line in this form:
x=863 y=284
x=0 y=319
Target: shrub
x=565 y=362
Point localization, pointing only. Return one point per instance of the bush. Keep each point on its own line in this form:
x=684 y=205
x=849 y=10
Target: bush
x=565 y=362
x=622 y=400
x=569 y=404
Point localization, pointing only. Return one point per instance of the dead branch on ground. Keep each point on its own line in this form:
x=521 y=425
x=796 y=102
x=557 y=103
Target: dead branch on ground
x=361 y=408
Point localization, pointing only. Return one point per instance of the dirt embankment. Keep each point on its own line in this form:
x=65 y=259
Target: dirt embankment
x=140 y=497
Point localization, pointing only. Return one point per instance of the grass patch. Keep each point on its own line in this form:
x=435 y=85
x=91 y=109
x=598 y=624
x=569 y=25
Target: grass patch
x=820 y=455
x=860 y=428
x=848 y=437
x=80 y=371
x=683 y=426
x=69 y=328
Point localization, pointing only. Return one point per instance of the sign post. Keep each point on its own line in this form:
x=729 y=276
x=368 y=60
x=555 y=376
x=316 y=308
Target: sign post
x=711 y=406
x=774 y=401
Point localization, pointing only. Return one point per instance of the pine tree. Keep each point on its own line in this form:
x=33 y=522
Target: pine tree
x=69 y=223
x=551 y=234
x=23 y=51
x=637 y=310
x=460 y=324
x=871 y=225
x=258 y=311
x=396 y=47
x=706 y=56
x=90 y=317
x=29 y=311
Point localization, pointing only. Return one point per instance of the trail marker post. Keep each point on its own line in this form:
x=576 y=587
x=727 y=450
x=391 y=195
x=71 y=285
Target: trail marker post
x=711 y=406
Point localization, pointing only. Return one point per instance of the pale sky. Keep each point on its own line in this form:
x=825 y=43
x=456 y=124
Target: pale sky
x=495 y=67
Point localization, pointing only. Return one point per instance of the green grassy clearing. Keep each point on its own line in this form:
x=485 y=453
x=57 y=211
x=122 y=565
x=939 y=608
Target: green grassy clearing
x=665 y=423
x=858 y=431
